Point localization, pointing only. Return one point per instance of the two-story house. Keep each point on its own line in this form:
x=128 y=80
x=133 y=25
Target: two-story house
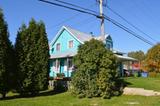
x=65 y=45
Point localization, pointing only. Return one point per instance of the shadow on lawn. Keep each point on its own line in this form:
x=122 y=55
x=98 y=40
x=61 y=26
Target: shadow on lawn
x=42 y=93
x=126 y=83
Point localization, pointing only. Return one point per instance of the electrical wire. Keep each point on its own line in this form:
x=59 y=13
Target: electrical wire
x=130 y=23
x=105 y=17
x=128 y=30
x=74 y=5
x=60 y=5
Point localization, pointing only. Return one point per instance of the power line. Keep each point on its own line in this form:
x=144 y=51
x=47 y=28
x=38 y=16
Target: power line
x=63 y=21
x=60 y=5
x=66 y=20
x=106 y=17
x=130 y=23
x=73 y=5
x=128 y=30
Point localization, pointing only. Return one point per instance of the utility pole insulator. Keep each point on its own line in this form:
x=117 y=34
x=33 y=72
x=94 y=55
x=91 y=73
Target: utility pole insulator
x=100 y=17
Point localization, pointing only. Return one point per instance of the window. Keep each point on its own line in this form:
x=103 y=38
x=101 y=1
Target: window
x=71 y=44
x=70 y=63
x=58 y=47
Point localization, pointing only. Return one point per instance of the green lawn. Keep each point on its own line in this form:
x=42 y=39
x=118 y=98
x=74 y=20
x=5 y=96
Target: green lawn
x=146 y=83
x=66 y=99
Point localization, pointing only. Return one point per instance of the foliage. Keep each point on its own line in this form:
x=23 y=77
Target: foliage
x=60 y=75
x=6 y=57
x=152 y=74
x=96 y=71
x=152 y=61
x=137 y=55
x=32 y=55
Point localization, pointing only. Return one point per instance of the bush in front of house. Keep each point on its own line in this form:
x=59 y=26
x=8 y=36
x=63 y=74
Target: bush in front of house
x=60 y=75
x=96 y=72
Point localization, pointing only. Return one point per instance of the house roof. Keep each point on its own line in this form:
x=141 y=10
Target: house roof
x=125 y=58
x=61 y=55
x=80 y=36
x=73 y=53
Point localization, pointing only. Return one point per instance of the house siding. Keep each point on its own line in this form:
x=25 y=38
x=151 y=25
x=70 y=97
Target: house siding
x=63 y=39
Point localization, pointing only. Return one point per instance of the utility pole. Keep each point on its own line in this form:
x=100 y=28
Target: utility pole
x=102 y=20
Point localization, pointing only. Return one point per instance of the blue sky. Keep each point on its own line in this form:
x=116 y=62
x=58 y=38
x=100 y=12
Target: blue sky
x=144 y=14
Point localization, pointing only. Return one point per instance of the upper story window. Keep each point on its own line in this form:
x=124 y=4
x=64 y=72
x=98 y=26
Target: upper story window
x=58 y=47
x=70 y=44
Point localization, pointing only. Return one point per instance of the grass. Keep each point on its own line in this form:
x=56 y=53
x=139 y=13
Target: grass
x=48 y=98
x=146 y=83
x=66 y=99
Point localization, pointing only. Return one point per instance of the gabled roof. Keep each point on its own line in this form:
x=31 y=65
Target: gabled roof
x=80 y=36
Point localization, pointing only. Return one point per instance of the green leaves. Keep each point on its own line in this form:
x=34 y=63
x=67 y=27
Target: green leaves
x=152 y=61
x=32 y=54
x=6 y=57
x=137 y=55
x=96 y=71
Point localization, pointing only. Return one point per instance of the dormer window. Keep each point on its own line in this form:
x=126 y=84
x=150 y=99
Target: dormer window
x=70 y=44
x=58 y=47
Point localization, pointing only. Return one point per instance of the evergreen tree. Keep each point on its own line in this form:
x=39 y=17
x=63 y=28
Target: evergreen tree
x=42 y=58
x=6 y=57
x=96 y=71
x=32 y=58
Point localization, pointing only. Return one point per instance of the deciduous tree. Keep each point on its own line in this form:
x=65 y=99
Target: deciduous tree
x=152 y=61
x=139 y=55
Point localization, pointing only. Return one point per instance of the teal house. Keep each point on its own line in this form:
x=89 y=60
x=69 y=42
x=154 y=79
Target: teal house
x=65 y=45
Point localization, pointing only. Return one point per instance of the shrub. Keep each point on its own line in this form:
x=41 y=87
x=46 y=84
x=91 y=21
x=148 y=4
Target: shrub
x=96 y=71
x=152 y=74
x=60 y=75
